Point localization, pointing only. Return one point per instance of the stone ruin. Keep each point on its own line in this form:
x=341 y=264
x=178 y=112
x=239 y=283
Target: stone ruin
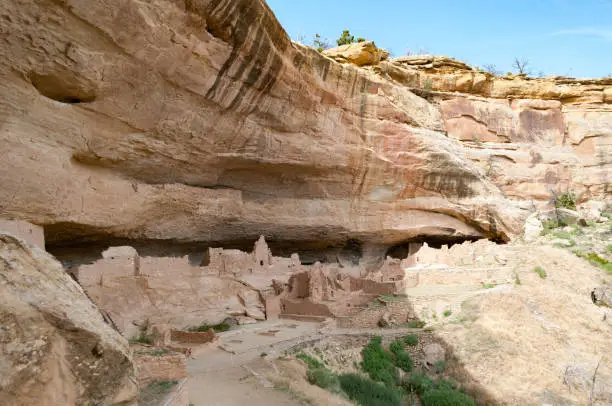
x=135 y=290
x=247 y=286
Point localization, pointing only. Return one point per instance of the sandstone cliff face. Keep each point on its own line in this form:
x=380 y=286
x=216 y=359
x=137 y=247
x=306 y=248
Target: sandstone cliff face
x=201 y=121
x=55 y=348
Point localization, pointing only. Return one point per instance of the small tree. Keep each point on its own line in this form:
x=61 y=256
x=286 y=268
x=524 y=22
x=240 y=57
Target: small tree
x=492 y=69
x=346 y=38
x=521 y=66
x=320 y=44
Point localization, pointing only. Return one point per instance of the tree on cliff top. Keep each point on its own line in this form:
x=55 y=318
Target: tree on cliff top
x=521 y=65
x=346 y=38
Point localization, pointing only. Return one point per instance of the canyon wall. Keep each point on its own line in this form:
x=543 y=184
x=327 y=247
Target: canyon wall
x=200 y=121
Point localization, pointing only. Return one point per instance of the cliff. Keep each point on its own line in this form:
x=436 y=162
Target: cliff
x=200 y=121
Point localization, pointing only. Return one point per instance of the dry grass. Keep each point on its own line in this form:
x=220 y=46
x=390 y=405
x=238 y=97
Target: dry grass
x=519 y=343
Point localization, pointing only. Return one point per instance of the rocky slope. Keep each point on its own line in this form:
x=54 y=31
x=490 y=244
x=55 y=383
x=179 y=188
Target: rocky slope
x=55 y=347
x=201 y=121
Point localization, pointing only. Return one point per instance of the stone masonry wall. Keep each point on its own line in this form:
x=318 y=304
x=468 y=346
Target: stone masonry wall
x=166 y=367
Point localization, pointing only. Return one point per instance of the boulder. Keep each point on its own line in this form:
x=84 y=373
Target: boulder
x=602 y=296
x=533 y=228
x=256 y=313
x=55 y=347
x=385 y=320
x=433 y=352
x=359 y=53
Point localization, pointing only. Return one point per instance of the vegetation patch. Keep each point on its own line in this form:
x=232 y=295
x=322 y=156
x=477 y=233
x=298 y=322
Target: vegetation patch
x=551 y=224
x=416 y=324
x=382 y=386
x=324 y=378
x=540 y=271
x=403 y=361
x=311 y=361
x=378 y=363
x=365 y=392
x=440 y=366
x=595 y=260
x=418 y=383
x=566 y=200
x=446 y=397
x=411 y=339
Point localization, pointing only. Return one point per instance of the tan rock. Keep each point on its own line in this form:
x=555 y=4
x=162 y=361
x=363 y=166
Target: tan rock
x=433 y=353
x=56 y=348
x=359 y=53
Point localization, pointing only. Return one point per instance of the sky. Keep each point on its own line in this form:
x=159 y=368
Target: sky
x=557 y=37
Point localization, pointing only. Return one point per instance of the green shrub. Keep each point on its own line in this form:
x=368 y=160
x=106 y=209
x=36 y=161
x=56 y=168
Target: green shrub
x=446 y=397
x=595 y=260
x=447 y=313
x=377 y=362
x=416 y=324
x=566 y=201
x=418 y=383
x=365 y=392
x=361 y=39
x=346 y=38
x=323 y=378
x=142 y=339
x=488 y=285
x=403 y=361
x=162 y=385
x=440 y=366
x=428 y=85
x=205 y=327
x=562 y=234
x=609 y=248
x=551 y=224
x=540 y=271
x=447 y=384
x=411 y=339
x=396 y=346
x=311 y=361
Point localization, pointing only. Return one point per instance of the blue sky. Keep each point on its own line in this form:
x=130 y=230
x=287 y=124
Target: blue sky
x=558 y=37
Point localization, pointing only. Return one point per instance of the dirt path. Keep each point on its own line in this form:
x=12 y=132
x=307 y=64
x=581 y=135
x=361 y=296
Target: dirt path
x=232 y=373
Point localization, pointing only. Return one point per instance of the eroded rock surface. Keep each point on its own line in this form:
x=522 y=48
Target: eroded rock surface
x=201 y=121
x=55 y=347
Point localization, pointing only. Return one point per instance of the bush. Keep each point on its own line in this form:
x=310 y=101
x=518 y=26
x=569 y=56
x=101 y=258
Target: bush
x=323 y=378
x=540 y=271
x=595 y=260
x=396 y=346
x=446 y=397
x=447 y=313
x=416 y=324
x=411 y=339
x=566 y=201
x=418 y=383
x=377 y=362
x=346 y=38
x=440 y=366
x=447 y=384
x=403 y=361
x=311 y=361
x=368 y=393
x=551 y=224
